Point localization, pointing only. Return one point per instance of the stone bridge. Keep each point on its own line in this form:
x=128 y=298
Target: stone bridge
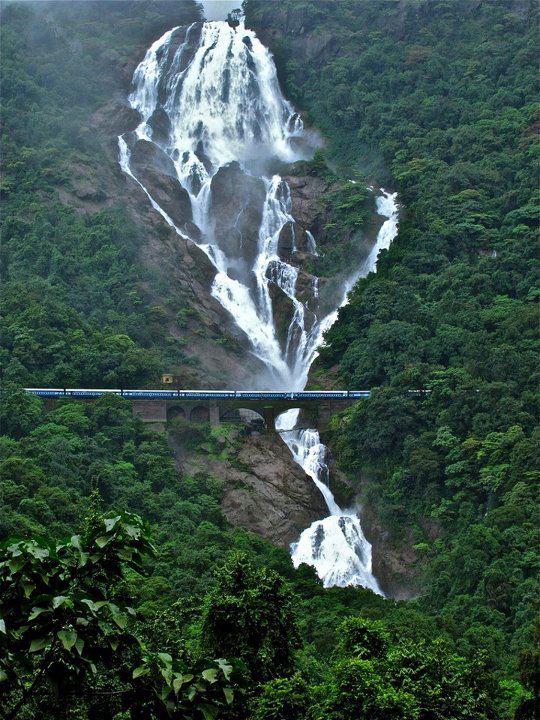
x=248 y=411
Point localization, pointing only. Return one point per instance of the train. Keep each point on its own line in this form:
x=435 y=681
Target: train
x=201 y=394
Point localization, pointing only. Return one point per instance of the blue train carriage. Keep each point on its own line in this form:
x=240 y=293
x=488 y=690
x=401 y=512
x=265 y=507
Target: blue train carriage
x=262 y=395
x=359 y=394
x=91 y=392
x=205 y=394
x=149 y=394
x=45 y=392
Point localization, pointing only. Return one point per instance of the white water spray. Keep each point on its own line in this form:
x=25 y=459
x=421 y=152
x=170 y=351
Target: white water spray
x=209 y=96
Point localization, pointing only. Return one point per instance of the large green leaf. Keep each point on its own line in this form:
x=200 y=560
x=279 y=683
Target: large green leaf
x=210 y=712
x=59 y=600
x=68 y=638
x=38 y=644
x=120 y=620
x=225 y=666
x=210 y=675
x=36 y=612
x=110 y=523
x=177 y=683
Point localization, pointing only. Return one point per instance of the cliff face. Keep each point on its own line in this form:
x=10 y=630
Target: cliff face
x=268 y=493
x=264 y=490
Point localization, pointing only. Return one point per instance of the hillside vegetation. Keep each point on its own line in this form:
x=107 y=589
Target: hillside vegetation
x=443 y=96
x=125 y=593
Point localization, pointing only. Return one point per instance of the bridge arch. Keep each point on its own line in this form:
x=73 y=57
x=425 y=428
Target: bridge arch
x=252 y=417
x=176 y=411
x=200 y=414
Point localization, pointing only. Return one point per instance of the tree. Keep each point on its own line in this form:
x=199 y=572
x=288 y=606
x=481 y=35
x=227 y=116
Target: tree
x=283 y=699
x=250 y=615
x=234 y=18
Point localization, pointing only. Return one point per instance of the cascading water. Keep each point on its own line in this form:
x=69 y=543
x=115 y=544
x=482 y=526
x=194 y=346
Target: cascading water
x=213 y=125
x=209 y=96
x=336 y=546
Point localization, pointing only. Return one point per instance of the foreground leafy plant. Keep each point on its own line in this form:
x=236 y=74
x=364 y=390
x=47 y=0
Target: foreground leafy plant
x=63 y=617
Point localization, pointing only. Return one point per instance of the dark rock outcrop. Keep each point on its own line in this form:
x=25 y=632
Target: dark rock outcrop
x=237 y=231
x=283 y=311
x=394 y=564
x=117 y=116
x=308 y=210
x=286 y=241
x=155 y=170
x=161 y=126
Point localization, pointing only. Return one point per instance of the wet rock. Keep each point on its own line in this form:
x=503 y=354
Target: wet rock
x=118 y=115
x=147 y=155
x=202 y=266
x=286 y=240
x=307 y=208
x=156 y=171
x=236 y=208
x=271 y=495
x=161 y=126
x=394 y=564
x=283 y=311
x=307 y=287
x=203 y=157
x=304 y=245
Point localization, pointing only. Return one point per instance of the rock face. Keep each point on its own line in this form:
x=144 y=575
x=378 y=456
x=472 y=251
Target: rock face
x=393 y=563
x=155 y=170
x=307 y=192
x=215 y=352
x=266 y=491
x=237 y=233
x=275 y=498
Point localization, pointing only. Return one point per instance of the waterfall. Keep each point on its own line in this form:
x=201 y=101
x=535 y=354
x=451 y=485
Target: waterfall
x=208 y=97
x=214 y=128
x=336 y=546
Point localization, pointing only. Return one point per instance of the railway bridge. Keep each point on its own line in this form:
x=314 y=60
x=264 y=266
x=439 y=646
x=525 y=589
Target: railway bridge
x=260 y=408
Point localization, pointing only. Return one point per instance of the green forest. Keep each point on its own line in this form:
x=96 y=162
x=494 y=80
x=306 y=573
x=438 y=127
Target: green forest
x=125 y=593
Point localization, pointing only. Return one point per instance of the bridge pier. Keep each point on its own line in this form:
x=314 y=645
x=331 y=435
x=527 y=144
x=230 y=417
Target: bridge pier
x=269 y=416
x=214 y=414
x=152 y=412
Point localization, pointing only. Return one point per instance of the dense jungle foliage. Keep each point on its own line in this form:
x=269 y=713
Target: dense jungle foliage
x=443 y=95
x=74 y=308
x=68 y=606
x=222 y=626
x=69 y=631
